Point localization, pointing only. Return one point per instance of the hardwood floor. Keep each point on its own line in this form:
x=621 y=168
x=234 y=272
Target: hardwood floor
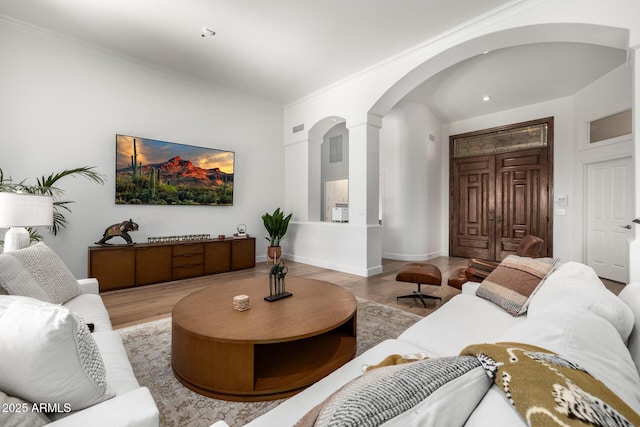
x=138 y=305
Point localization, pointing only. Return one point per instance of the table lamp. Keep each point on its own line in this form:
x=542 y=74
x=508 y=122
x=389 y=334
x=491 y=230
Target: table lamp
x=19 y=210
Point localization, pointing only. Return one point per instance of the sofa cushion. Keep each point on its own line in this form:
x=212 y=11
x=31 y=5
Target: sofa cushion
x=575 y=284
x=92 y=310
x=48 y=270
x=15 y=412
x=630 y=295
x=471 y=319
x=119 y=372
x=48 y=355
x=514 y=281
x=588 y=340
x=432 y=392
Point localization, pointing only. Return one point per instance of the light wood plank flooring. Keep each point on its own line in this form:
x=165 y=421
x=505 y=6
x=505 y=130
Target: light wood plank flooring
x=138 y=305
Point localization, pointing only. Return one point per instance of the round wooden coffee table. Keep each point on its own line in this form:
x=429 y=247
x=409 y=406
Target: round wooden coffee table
x=273 y=350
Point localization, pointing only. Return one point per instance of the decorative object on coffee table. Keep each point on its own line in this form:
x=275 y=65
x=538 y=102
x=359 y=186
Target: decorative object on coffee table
x=276 y=282
x=121 y=230
x=241 y=303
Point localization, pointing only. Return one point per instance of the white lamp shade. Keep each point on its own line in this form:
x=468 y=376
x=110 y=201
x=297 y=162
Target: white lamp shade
x=25 y=210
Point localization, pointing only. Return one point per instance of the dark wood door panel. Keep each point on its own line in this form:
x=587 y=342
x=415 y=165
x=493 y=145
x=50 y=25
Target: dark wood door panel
x=472 y=200
x=496 y=199
x=522 y=198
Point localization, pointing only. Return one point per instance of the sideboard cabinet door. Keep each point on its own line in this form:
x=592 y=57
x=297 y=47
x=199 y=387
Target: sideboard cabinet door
x=243 y=253
x=115 y=268
x=153 y=264
x=217 y=257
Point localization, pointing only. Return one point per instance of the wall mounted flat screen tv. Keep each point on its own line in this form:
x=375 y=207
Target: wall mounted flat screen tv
x=151 y=172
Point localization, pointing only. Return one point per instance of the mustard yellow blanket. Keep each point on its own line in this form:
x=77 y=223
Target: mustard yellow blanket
x=548 y=390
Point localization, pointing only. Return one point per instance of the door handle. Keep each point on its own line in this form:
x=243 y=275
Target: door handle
x=628 y=226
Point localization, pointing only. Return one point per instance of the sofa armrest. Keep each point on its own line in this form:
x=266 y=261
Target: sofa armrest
x=89 y=286
x=135 y=408
x=630 y=294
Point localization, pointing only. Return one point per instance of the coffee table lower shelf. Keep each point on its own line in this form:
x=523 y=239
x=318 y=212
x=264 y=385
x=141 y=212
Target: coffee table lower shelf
x=254 y=371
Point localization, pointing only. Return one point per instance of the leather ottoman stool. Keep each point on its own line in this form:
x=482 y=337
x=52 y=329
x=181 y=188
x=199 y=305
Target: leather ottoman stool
x=420 y=273
x=458 y=278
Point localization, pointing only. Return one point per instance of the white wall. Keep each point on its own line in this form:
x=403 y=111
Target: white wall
x=369 y=95
x=608 y=95
x=63 y=103
x=411 y=169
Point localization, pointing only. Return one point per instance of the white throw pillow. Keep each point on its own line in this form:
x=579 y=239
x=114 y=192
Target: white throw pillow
x=577 y=285
x=48 y=355
x=431 y=392
x=49 y=271
x=16 y=280
x=588 y=340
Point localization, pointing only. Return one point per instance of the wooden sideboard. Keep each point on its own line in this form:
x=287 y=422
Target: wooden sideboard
x=120 y=267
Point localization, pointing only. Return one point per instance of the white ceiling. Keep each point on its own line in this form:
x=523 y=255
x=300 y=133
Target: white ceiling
x=515 y=77
x=283 y=50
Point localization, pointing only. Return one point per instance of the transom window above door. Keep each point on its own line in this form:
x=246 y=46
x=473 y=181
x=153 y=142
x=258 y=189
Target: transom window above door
x=501 y=141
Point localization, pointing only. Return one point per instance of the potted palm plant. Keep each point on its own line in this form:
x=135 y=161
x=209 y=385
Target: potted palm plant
x=276 y=225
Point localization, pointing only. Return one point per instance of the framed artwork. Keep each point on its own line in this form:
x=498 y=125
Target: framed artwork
x=151 y=172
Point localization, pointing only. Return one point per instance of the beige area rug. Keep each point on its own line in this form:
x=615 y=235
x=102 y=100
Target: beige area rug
x=149 y=349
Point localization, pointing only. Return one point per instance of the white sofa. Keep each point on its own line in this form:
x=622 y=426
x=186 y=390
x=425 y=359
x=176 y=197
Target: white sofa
x=571 y=314
x=124 y=403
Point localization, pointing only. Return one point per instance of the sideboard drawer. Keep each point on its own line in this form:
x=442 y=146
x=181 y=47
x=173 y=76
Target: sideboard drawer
x=188 y=249
x=187 y=259
x=189 y=270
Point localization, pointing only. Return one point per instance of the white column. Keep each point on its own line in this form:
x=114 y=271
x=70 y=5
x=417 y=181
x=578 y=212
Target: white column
x=296 y=180
x=364 y=167
x=314 y=180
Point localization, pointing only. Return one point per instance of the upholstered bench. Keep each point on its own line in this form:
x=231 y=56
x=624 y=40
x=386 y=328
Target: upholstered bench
x=420 y=273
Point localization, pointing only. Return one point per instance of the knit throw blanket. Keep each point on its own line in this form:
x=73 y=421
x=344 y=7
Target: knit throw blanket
x=546 y=389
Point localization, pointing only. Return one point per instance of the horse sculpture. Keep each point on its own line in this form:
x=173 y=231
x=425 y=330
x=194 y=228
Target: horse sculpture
x=121 y=230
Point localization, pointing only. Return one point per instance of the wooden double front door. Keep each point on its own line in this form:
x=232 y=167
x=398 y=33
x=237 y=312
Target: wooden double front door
x=497 y=199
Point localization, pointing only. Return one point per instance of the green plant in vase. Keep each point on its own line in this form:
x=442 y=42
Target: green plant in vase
x=276 y=224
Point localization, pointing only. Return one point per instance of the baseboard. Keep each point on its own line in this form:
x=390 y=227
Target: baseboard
x=413 y=257
x=371 y=271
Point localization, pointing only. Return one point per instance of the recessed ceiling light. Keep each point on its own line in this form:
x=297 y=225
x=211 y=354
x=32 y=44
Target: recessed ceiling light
x=207 y=32
x=486 y=98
